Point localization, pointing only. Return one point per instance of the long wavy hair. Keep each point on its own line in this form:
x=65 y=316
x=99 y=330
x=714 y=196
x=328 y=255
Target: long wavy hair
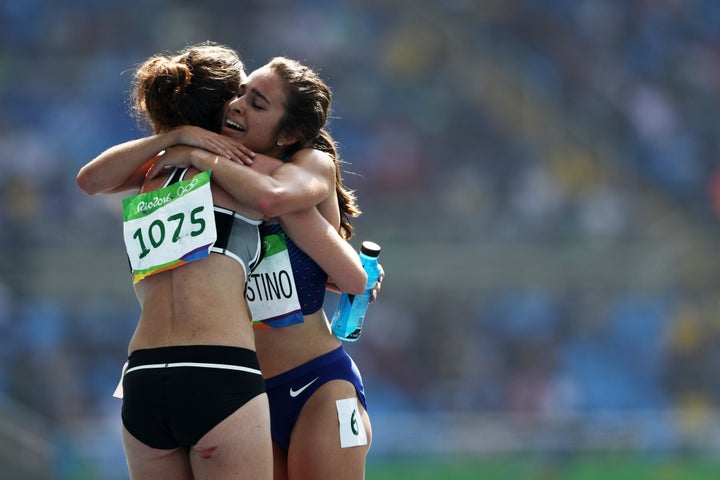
x=307 y=110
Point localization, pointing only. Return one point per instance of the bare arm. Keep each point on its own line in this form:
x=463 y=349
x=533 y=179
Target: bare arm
x=314 y=235
x=304 y=182
x=123 y=167
x=119 y=168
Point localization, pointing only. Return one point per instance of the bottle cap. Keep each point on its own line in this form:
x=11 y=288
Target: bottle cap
x=371 y=249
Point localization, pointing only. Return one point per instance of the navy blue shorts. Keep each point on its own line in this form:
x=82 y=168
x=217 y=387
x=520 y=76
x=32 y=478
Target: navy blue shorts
x=173 y=396
x=289 y=391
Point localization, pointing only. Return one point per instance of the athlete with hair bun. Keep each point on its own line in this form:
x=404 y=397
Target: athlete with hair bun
x=194 y=401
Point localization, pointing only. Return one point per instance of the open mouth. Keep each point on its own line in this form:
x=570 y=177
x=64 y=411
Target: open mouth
x=234 y=126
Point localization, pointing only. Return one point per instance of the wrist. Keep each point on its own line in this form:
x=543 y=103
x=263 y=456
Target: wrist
x=196 y=160
x=203 y=160
x=173 y=138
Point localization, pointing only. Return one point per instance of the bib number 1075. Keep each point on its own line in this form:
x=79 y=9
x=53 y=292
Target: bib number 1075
x=156 y=231
x=169 y=227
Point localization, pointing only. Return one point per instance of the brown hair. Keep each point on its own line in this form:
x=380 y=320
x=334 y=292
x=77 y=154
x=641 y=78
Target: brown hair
x=188 y=88
x=307 y=110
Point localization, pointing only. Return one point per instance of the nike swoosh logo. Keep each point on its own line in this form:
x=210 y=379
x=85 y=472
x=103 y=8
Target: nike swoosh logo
x=295 y=393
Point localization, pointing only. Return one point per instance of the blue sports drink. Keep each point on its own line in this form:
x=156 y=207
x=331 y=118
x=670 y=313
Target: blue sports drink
x=347 y=321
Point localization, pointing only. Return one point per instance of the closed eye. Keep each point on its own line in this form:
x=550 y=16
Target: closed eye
x=259 y=100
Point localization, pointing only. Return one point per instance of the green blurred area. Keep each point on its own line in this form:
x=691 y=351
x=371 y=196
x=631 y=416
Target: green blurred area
x=619 y=466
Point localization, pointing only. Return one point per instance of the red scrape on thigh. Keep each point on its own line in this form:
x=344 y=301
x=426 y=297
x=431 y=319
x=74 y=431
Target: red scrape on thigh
x=206 y=452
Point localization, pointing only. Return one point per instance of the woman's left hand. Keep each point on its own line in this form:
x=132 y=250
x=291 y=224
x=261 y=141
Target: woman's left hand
x=214 y=143
x=378 y=285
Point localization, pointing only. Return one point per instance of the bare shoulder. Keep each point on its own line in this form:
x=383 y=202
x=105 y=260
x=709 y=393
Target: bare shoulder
x=313 y=159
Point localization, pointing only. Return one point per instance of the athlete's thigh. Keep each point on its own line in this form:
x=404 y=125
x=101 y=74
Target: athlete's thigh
x=279 y=463
x=239 y=447
x=315 y=446
x=145 y=462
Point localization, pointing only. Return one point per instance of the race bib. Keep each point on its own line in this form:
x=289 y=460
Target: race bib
x=270 y=291
x=352 y=428
x=169 y=227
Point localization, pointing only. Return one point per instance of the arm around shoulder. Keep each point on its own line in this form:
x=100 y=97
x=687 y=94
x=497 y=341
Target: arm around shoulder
x=122 y=167
x=299 y=184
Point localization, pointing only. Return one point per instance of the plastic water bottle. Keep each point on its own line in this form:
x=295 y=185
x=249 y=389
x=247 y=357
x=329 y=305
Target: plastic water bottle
x=347 y=321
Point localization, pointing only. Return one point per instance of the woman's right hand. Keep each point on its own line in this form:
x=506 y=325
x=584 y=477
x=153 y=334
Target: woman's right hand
x=179 y=156
x=214 y=142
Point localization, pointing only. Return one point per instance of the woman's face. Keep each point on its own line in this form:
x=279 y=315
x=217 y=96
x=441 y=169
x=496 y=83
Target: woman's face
x=253 y=116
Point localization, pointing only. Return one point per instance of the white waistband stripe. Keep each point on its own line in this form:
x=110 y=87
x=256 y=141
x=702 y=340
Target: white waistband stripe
x=195 y=364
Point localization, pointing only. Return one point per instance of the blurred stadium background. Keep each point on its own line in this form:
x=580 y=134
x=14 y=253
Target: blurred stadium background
x=543 y=177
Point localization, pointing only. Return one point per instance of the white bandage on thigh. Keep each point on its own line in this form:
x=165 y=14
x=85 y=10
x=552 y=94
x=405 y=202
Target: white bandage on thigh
x=352 y=428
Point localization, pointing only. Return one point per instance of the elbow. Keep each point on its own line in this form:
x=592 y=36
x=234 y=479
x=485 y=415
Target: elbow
x=272 y=203
x=83 y=180
x=358 y=284
x=349 y=281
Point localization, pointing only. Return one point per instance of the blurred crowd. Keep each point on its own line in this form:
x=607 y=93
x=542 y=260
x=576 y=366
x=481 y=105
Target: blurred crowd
x=545 y=125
